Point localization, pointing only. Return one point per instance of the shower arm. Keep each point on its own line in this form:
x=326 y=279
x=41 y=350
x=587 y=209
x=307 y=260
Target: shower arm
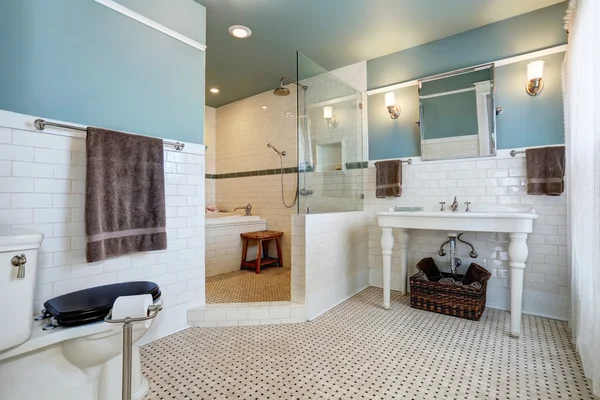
x=281 y=153
x=285 y=78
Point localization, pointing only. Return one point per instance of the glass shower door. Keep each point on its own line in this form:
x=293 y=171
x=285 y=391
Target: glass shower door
x=330 y=141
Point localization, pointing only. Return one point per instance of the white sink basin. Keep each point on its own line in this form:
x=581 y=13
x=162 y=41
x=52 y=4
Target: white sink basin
x=482 y=219
x=516 y=221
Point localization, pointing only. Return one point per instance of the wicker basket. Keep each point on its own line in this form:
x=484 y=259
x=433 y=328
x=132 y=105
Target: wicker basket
x=456 y=300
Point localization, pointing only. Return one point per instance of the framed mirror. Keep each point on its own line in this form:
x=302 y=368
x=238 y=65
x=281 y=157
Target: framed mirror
x=458 y=114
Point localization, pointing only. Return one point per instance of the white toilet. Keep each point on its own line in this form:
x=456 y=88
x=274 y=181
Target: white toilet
x=80 y=362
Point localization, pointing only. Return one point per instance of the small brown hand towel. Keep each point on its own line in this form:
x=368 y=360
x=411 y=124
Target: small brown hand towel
x=546 y=170
x=125 y=194
x=389 y=178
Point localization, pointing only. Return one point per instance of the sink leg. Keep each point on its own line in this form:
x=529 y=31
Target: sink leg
x=517 y=255
x=387 y=247
x=403 y=240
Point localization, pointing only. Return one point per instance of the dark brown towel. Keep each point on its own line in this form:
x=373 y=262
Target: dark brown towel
x=124 y=195
x=430 y=269
x=389 y=178
x=546 y=170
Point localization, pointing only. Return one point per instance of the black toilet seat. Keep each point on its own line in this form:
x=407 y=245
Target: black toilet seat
x=93 y=304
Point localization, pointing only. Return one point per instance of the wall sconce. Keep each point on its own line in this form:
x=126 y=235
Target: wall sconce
x=332 y=121
x=535 y=84
x=390 y=103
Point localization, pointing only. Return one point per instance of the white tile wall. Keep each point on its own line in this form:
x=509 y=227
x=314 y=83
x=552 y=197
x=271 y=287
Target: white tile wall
x=244 y=314
x=495 y=180
x=210 y=140
x=264 y=193
x=330 y=253
x=224 y=246
x=245 y=127
x=243 y=130
x=42 y=187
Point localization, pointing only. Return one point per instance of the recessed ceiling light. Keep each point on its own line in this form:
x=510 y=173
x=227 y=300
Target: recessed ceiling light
x=214 y=90
x=240 y=31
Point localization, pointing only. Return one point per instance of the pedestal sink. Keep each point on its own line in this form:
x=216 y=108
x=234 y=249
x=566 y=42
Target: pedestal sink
x=516 y=221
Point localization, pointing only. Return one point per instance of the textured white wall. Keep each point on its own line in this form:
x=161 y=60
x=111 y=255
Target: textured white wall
x=42 y=187
x=495 y=180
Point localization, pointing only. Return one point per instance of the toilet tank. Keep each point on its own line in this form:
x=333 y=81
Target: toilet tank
x=16 y=293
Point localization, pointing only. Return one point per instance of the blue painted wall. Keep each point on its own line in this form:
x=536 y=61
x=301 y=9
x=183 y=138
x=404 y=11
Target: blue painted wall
x=79 y=61
x=527 y=121
x=450 y=116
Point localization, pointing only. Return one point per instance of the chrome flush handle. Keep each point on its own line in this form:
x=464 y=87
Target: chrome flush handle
x=19 y=262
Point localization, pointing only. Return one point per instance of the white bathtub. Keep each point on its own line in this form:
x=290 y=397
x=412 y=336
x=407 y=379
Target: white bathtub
x=228 y=218
x=223 y=242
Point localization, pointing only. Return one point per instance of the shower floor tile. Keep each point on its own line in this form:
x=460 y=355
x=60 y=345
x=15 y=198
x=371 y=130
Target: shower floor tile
x=360 y=351
x=245 y=286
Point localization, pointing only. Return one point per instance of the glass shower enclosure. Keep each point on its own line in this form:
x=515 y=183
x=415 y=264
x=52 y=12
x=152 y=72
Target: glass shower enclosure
x=331 y=150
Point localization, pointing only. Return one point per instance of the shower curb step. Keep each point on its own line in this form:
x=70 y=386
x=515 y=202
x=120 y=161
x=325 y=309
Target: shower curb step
x=244 y=314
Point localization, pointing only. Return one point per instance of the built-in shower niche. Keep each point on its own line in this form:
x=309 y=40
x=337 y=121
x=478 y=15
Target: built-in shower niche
x=331 y=156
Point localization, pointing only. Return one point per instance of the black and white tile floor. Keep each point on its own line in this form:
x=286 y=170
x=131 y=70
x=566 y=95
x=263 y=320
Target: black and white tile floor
x=360 y=351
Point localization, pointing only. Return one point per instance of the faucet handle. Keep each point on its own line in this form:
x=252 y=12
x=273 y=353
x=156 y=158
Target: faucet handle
x=442 y=203
x=468 y=203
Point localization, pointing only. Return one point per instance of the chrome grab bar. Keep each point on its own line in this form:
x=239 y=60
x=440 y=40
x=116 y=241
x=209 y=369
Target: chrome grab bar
x=127 y=322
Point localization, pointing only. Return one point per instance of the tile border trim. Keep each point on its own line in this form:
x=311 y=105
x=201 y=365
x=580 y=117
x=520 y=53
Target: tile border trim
x=276 y=171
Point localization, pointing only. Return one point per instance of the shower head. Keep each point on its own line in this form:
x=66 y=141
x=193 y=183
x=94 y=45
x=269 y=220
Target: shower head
x=283 y=91
x=281 y=153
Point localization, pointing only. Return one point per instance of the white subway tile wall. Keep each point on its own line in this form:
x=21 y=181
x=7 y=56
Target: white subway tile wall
x=264 y=193
x=42 y=188
x=210 y=140
x=243 y=130
x=499 y=180
x=224 y=246
x=244 y=314
x=331 y=262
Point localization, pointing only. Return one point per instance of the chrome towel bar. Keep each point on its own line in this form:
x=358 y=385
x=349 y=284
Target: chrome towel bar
x=41 y=124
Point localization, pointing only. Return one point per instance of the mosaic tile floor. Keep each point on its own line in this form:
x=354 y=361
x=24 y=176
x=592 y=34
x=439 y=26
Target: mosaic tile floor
x=360 y=351
x=245 y=286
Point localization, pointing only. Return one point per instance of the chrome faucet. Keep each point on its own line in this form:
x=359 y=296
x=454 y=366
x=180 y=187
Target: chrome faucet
x=454 y=205
x=247 y=208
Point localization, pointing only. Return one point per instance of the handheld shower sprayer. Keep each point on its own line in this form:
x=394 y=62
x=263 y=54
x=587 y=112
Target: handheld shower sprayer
x=281 y=153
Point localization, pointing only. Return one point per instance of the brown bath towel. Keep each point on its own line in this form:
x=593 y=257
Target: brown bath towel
x=546 y=170
x=125 y=194
x=389 y=178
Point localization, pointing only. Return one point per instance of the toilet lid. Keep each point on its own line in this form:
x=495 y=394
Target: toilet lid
x=93 y=304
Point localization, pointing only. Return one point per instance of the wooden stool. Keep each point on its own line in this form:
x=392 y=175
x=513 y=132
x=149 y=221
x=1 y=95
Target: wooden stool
x=262 y=245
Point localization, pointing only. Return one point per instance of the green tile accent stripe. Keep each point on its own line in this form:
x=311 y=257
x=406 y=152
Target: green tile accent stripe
x=277 y=171
x=245 y=174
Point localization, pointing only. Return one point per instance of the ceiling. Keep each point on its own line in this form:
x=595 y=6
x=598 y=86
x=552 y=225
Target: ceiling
x=333 y=33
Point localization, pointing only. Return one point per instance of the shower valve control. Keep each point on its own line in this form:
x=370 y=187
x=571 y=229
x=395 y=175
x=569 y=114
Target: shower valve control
x=19 y=262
